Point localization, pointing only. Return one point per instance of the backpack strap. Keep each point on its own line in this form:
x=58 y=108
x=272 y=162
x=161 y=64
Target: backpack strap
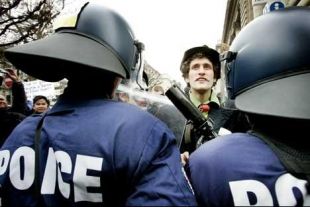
x=37 y=184
x=295 y=162
x=37 y=138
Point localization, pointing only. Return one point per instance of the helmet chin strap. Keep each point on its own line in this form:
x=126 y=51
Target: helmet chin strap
x=138 y=71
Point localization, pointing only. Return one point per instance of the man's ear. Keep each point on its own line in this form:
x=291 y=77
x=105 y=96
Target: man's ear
x=186 y=79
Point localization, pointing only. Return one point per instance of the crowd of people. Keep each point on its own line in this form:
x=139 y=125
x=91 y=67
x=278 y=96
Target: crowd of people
x=12 y=114
x=96 y=148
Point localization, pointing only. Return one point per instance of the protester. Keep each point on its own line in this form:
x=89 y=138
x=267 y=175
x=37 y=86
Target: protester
x=10 y=117
x=18 y=94
x=8 y=120
x=123 y=96
x=200 y=68
x=92 y=150
x=40 y=104
x=269 y=80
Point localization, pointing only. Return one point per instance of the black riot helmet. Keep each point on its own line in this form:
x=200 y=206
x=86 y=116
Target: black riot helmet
x=90 y=37
x=267 y=67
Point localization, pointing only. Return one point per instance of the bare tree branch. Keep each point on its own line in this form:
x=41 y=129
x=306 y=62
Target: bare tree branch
x=10 y=6
x=24 y=21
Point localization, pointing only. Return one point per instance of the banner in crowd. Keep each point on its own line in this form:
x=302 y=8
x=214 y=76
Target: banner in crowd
x=38 y=87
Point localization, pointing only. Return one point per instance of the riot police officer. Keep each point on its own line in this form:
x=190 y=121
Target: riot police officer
x=268 y=78
x=88 y=149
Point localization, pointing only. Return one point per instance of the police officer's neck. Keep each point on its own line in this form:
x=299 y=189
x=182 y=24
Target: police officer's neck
x=289 y=131
x=94 y=88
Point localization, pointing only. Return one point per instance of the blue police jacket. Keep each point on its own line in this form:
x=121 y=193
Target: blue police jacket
x=241 y=170
x=94 y=152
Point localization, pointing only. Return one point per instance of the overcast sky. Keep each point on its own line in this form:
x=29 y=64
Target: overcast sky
x=169 y=27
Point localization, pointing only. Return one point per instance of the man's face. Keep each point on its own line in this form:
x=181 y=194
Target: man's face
x=117 y=81
x=200 y=75
x=40 y=106
x=3 y=102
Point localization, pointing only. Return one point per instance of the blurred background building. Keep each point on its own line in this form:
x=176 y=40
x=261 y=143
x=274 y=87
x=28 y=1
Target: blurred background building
x=240 y=12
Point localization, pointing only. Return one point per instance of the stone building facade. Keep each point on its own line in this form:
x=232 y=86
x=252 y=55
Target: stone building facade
x=240 y=12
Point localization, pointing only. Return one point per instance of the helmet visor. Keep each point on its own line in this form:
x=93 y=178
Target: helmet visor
x=45 y=59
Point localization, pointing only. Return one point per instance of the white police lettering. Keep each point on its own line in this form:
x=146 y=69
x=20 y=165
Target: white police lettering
x=81 y=180
x=240 y=189
x=49 y=179
x=283 y=186
x=284 y=189
x=57 y=163
x=63 y=165
x=4 y=160
x=22 y=179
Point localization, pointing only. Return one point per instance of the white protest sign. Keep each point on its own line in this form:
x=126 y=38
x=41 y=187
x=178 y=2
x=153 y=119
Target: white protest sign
x=38 y=87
